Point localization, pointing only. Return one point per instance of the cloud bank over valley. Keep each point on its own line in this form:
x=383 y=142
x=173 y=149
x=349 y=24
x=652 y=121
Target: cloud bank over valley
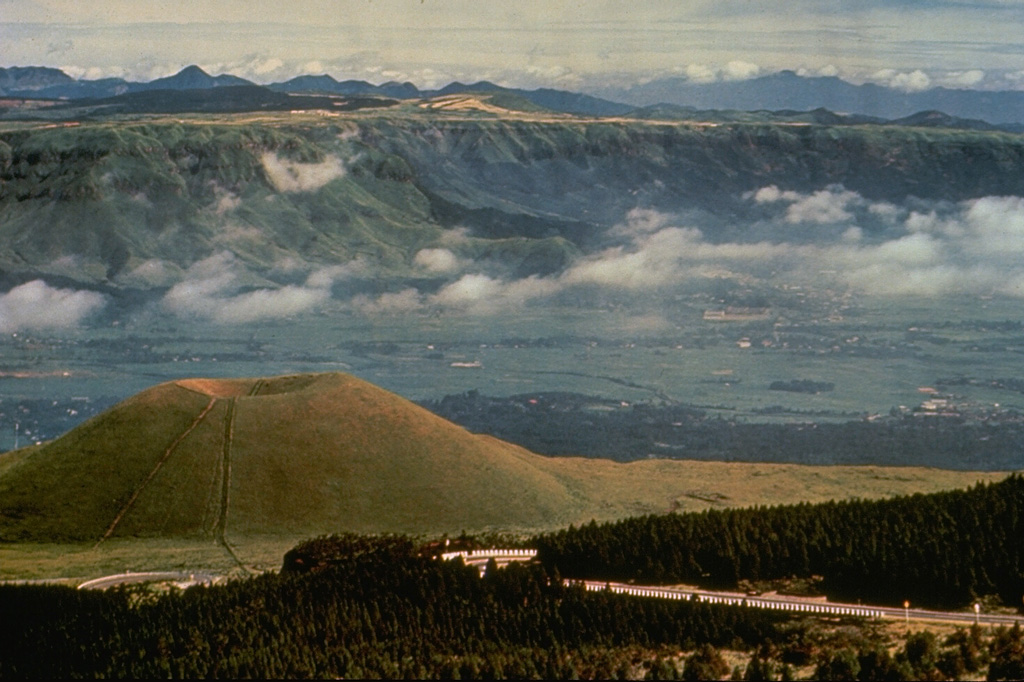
x=832 y=238
x=37 y=305
x=829 y=238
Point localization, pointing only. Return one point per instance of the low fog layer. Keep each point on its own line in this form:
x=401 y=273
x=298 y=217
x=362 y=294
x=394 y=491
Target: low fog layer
x=36 y=305
x=214 y=289
x=832 y=237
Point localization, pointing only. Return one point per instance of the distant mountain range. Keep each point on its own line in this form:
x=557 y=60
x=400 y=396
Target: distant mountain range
x=785 y=90
x=43 y=82
x=788 y=90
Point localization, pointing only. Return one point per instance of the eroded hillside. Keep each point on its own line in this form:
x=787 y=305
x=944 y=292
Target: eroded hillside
x=132 y=205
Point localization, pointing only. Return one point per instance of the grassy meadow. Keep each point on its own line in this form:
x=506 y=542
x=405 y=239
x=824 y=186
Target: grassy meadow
x=313 y=454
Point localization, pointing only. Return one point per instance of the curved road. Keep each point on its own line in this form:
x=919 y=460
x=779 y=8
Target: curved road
x=180 y=579
x=480 y=558
x=777 y=602
x=796 y=604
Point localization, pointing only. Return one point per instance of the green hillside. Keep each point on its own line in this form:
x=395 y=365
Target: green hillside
x=92 y=201
x=296 y=456
x=300 y=455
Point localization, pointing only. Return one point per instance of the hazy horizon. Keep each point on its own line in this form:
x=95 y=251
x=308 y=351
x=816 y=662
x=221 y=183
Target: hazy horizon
x=907 y=45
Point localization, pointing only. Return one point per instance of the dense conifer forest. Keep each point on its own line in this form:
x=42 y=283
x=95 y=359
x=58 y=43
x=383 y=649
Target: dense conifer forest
x=940 y=550
x=381 y=612
x=355 y=606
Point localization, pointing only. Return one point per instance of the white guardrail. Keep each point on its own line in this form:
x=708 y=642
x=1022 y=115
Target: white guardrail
x=480 y=557
x=808 y=605
x=755 y=602
x=476 y=555
x=179 y=578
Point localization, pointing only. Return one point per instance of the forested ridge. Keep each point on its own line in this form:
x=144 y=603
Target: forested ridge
x=939 y=550
x=356 y=606
x=378 y=610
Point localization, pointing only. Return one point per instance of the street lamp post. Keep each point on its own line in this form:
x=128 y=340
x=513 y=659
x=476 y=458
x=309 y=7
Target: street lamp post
x=977 y=613
x=906 y=612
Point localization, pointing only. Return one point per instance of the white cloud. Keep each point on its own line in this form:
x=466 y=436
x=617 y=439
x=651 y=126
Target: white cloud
x=455 y=236
x=932 y=223
x=266 y=303
x=907 y=81
x=667 y=258
x=994 y=227
x=701 y=73
x=468 y=290
x=853 y=235
x=406 y=301
x=823 y=207
x=474 y=294
x=963 y=79
x=911 y=251
x=481 y=294
x=436 y=260
x=210 y=291
x=266 y=66
x=974 y=247
x=771 y=194
x=291 y=176
x=830 y=205
x=225 y=200
x=36 y=305
x=641 y=221
x=740 y=70
x=880 y=248
x=1014 y=77
x=735 y=70
x=889 y=213
x=556 y=75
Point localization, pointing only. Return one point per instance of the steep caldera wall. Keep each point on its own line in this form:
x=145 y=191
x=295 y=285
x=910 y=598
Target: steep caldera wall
x=132 y=205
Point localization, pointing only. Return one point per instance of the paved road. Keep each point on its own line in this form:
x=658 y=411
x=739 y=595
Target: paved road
x=777 y=602
x=797 y=604
x=179 y=578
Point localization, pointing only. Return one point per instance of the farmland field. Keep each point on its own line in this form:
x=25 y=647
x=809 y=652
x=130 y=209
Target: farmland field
x=876 y=356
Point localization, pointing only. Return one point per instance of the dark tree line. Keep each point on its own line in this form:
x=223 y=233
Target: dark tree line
x=940 y=550
x=802 y=386
x=353 y=606
x=374 y=610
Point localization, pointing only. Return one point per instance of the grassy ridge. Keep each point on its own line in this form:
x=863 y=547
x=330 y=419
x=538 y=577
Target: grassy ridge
x=307 y=455
x=311 y=454
x=380 y=463
x=74 y=487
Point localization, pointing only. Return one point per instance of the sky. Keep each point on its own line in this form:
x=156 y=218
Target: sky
x=577 y=44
